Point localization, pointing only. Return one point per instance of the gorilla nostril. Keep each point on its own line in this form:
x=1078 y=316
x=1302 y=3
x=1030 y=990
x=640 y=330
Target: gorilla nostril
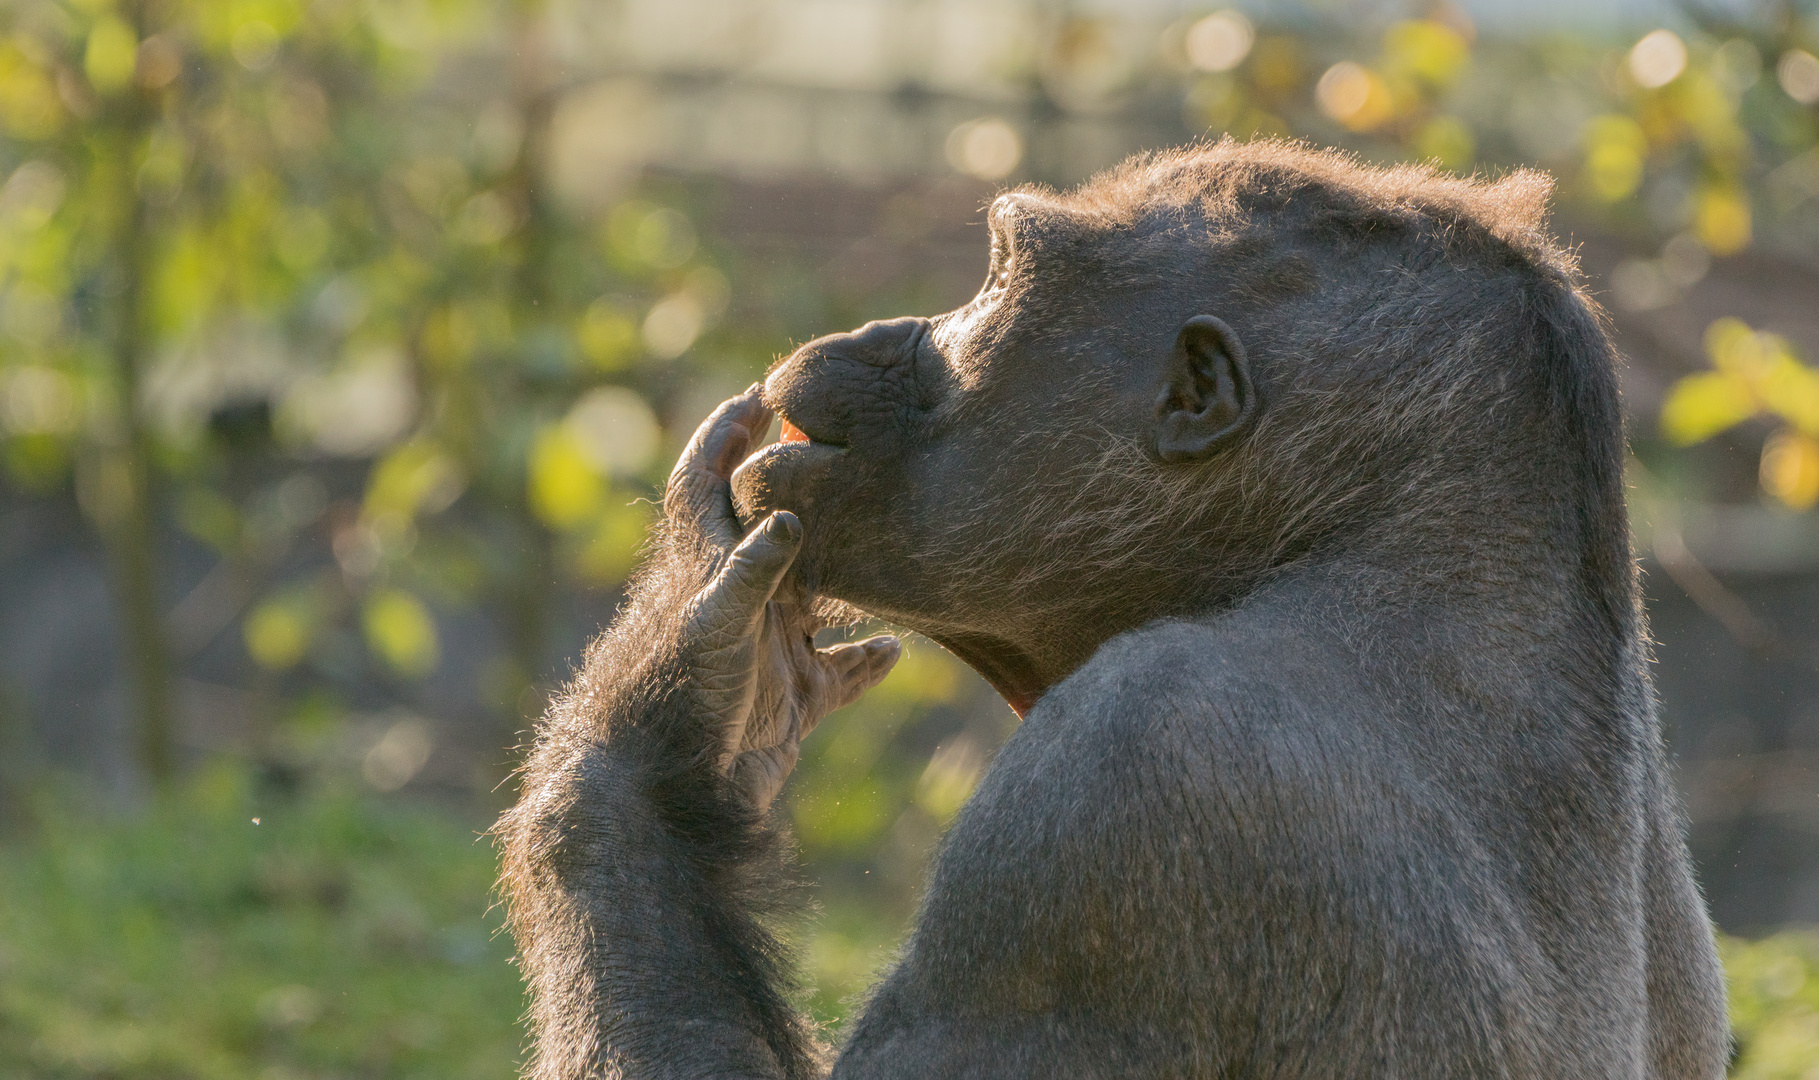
x=883 y=343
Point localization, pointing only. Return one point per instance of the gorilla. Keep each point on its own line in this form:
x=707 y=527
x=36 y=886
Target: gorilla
x=1282 y=497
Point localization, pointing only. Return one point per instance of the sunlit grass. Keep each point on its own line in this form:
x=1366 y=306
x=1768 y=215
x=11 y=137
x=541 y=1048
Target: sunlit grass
x=335 y=936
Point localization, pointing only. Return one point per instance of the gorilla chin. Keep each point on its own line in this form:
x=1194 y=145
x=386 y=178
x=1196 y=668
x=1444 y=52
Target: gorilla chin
x=785 y=476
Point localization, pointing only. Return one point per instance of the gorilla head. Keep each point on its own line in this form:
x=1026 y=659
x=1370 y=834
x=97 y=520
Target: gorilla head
x=1199 y=369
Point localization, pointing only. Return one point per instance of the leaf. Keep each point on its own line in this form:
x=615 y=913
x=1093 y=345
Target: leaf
x=1721 y=219
x=1700 y=406
x=112 y=53
x=1790 y=469
x=413 y=477
x=400 y=630
x=1429 y=50
x=609 y=554
x=565 y=490
x=1789 y=388
x=279 y=631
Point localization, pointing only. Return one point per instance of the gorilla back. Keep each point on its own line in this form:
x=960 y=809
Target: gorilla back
x=1283 y=497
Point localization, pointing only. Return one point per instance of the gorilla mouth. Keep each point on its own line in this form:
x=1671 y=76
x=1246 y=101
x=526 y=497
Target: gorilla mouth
x=792 y=435
x=784 y=474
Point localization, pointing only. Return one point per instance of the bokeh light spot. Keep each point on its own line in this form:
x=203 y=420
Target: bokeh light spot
x=1615 y=150
x=1219 y=42
x=37 y=400
x=1798 y=74
x=255 y=45
x=1658 y=59
x=1447 y=140
x=673 y=324
x=1354 y=95
x=987 y=148
x=278 y=632
x=1790 y=469
x=608 y=334
x=565 y=488
x=398 y=756
x=615 y=430
x=1702 y=405
x=1429 y=50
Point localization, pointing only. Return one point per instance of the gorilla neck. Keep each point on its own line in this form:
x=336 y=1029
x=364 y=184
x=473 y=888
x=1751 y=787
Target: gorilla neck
x=1019 y=676
x=1514 y=600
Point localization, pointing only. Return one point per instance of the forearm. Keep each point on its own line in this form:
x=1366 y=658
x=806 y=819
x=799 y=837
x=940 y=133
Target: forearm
x=636 y=877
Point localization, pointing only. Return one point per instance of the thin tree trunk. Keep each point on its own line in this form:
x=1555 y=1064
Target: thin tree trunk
x=534 y=303
x=131 y=525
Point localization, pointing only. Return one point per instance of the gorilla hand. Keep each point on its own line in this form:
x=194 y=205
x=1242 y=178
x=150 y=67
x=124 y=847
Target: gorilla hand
x=752 y=667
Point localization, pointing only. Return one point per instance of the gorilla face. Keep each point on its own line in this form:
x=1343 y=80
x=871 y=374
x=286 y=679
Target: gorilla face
x=934 y=459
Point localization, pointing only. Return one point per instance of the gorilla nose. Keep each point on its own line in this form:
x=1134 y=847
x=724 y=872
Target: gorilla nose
x=880 y=343
x=842 y=385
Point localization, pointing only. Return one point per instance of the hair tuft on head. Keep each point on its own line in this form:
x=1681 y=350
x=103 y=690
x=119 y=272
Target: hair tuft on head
x=1221 y=181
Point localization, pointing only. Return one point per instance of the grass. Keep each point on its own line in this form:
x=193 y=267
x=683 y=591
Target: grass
x=334 y=937
x=342 y=936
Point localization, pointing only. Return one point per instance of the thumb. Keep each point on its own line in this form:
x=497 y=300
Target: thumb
x=750 y=577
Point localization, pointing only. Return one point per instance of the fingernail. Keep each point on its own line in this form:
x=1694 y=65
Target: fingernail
x=782 y=527
x=755 y=387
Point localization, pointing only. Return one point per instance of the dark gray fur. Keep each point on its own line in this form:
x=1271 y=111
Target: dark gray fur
x=1340 y=756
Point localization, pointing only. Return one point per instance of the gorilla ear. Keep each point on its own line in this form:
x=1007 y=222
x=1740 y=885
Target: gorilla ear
x=1207 y=397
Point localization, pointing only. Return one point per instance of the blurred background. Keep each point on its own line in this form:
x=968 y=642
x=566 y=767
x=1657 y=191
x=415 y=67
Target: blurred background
x=344 y=345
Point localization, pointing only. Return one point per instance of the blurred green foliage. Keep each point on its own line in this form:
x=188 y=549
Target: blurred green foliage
x=239 y=235
x=1774 y=986
x=244 y=243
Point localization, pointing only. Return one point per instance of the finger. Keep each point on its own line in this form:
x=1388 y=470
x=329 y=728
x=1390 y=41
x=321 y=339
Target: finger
x=759 y=774
x=737 y=596
x=854 y=668
x=698 y=491
x=713 y=447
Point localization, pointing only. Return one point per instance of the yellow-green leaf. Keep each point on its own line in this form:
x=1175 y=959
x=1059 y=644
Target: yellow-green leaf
x=1425 y=48
x=415 y=476
x=278 y=632
x=1700 y=406
x=1790 y=469
x=1789 y=388
x=401 y=632
x=1721 y=218
x=111 y=56
x=565 y=489
x=610 y=552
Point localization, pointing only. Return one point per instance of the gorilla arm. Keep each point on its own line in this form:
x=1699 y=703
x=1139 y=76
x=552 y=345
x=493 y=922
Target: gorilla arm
x=639 y=861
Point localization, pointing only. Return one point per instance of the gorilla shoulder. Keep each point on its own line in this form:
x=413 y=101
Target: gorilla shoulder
x=1247 y=721
x=1252 y=682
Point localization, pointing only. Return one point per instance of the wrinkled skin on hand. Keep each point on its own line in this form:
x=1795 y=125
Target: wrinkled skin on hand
x=749 y=651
